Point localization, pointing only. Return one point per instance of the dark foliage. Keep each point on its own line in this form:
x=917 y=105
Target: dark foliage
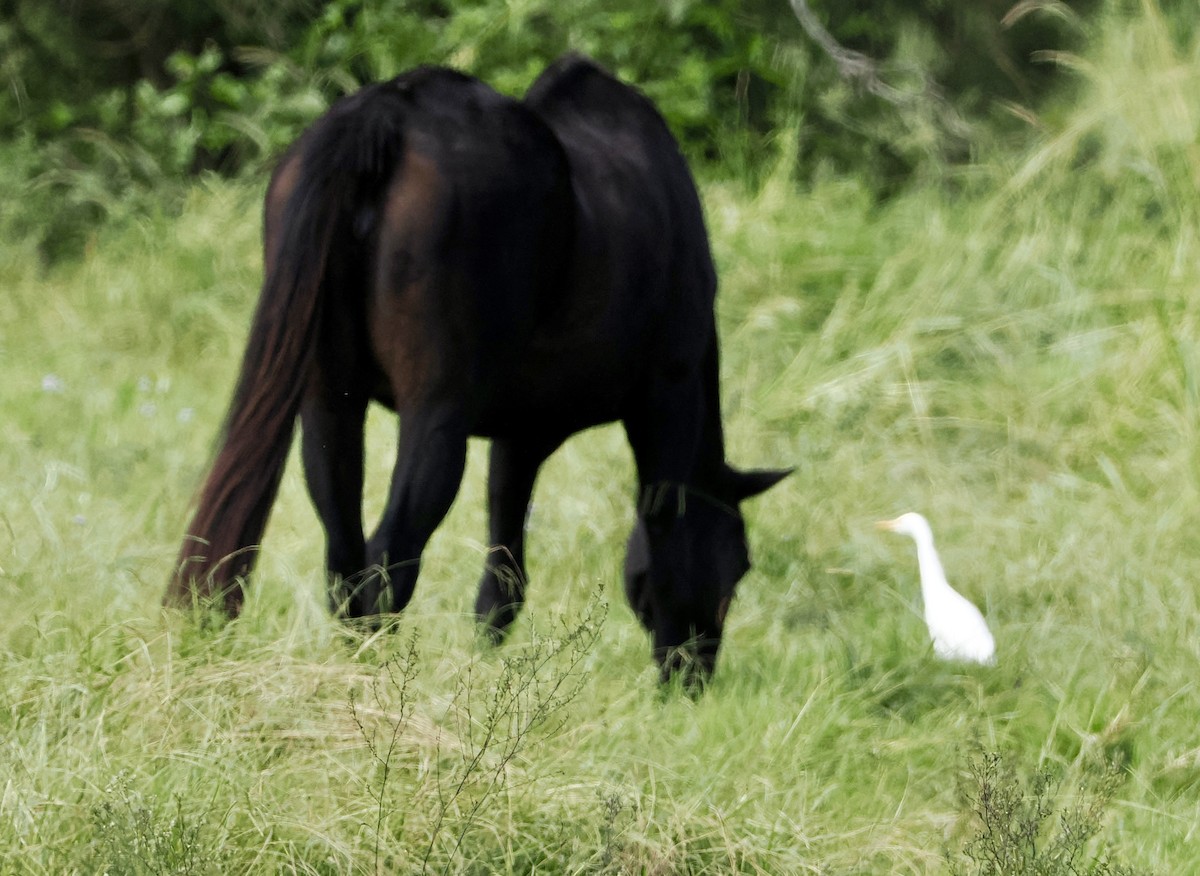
x=111 y=100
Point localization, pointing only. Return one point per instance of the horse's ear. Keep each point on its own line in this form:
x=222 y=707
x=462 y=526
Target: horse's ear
x=741 y=485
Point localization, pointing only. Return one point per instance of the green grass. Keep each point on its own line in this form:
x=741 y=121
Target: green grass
x=1014 y=352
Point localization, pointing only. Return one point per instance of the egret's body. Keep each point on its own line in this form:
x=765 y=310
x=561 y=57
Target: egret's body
x=956 y=626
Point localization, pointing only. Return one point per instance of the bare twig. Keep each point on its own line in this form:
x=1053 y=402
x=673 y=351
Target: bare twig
x=863 y=72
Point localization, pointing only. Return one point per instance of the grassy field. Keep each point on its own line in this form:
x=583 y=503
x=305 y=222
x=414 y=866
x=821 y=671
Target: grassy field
x=1014 y=351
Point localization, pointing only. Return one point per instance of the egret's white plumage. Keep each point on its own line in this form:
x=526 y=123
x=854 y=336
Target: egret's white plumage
x=958 y=630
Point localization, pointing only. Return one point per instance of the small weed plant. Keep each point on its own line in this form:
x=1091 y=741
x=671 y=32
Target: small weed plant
x=479 y=744
x=1025 y=827
x=134 y=835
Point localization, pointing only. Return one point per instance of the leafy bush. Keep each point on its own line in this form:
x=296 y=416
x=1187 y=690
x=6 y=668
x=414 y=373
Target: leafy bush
x=120 y=100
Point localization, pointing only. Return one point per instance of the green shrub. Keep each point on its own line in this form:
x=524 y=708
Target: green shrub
x=1024 y=828
x=122 y=99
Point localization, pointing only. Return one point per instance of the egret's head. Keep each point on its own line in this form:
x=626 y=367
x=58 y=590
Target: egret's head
x=911 y=524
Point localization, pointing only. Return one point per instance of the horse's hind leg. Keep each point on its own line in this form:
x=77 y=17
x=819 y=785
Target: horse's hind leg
x=331 y=426
x=513 y=467
x=429 y=466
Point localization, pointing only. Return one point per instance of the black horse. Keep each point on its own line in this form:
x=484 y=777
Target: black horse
x=484 y=266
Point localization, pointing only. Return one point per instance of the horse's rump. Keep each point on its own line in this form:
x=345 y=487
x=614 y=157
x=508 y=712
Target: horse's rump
x=412 y=236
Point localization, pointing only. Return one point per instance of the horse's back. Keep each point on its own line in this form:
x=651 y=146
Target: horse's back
x=642 y=252
x=496 y=171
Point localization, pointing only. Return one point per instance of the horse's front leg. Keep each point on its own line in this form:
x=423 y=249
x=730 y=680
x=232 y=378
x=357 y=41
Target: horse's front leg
x=512 y=470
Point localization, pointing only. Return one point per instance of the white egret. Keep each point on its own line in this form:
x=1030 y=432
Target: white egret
x=956 y=626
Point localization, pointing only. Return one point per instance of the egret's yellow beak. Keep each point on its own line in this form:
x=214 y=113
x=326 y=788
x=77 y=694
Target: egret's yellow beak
x=886 y=525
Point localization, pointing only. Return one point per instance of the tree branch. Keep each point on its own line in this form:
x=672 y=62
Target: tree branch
x=863 y=72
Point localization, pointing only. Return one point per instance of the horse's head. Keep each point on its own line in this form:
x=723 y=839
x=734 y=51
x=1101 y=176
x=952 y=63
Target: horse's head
x=684 y=559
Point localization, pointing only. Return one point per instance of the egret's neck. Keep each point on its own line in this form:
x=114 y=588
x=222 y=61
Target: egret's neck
x=933 y=576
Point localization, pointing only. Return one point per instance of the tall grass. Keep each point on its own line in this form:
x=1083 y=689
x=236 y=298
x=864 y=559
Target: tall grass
x=1015 y=354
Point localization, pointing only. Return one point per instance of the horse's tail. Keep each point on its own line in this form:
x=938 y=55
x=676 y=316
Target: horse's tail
x=320 y=197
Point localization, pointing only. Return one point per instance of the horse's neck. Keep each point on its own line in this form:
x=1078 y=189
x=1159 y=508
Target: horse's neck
x=712 y=435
